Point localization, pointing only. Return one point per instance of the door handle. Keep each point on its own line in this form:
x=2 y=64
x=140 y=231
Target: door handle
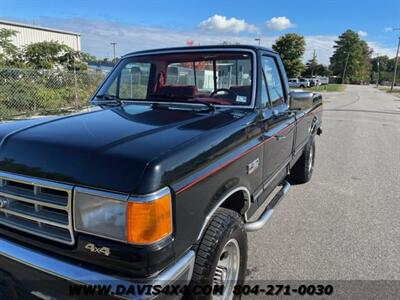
x=280 y=137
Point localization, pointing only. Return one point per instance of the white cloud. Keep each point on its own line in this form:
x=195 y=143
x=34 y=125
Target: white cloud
x=362 y=33
x=96 y=37
x=279 y=23
x=223 y=24
x=382 y=50
x=388 y=29
x=323 y=46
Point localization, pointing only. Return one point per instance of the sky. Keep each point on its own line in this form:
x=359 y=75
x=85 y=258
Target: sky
x=137 y=25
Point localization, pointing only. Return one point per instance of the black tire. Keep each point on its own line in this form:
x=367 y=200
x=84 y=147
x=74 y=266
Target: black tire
x=302 y=86
x=226 y=225
x=303 y=169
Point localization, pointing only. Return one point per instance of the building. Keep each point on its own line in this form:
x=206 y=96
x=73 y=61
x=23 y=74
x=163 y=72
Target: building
x=28 y=34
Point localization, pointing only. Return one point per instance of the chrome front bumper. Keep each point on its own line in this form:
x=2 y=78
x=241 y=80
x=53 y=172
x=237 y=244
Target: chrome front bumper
x=180 y=272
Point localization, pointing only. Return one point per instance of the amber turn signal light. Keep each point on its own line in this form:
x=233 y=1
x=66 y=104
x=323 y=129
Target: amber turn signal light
x=148 y=222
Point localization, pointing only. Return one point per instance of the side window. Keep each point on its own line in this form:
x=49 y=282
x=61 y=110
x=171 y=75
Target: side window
x=264 y=94
x=274 y=82
x=132 y=82
x=233 y=73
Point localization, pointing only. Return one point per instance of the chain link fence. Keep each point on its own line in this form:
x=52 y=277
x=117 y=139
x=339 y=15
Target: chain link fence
x=27 y=92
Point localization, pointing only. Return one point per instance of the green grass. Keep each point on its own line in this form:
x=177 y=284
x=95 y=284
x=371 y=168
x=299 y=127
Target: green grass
x=328 y=88
x=396 y=89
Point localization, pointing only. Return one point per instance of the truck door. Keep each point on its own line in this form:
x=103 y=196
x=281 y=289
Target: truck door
x=279 y=123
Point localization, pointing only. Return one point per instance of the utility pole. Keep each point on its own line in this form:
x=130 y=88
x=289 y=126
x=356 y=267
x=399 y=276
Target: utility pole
x=378 y=69
x=258 y=40
x=379 y=73
x=345 y=66
x=114 y=44
x=396 y=63
x=313 y=66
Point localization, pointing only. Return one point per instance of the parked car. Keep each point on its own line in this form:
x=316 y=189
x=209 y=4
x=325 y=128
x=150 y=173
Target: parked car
x=299 y=83
x=314 y=81
x=307 y=81
x=160 y=183
x=323 y=80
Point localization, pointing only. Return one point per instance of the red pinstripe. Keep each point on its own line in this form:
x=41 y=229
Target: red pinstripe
x=231 y=161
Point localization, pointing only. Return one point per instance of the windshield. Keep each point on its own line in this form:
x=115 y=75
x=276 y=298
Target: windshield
x=219 y=78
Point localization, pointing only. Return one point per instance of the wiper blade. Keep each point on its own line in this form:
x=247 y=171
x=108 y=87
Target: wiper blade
x=187 y=100
x=208 y=104
x=108 y=97
x=185 y=104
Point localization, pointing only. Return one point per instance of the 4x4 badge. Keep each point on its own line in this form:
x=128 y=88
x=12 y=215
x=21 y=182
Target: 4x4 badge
x=99 y=250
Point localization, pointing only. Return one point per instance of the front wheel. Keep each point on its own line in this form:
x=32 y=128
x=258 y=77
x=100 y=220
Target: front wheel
x=221 y=258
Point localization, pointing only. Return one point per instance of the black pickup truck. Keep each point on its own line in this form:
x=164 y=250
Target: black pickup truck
x=160 y=181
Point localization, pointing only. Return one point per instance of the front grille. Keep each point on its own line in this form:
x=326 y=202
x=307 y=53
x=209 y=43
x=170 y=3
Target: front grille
x=36 y=207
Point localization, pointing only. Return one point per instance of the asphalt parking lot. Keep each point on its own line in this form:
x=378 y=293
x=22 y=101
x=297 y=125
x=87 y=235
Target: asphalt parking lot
x=345 y=223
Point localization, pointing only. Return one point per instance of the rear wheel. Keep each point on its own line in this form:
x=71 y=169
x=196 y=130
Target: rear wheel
x=303 y=169
x=221 y=258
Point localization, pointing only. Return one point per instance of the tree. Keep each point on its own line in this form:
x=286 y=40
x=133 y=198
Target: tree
x=311 y=65
x=7 y=48
x=50 y=55
x=88 y=57
x=105 y=61
x=383 y=63
x=391 y=64
x=322 y=70
x=318 y=70
x=73 y=60
x=313 y=68
x=366 y=65
x=43 y=55
x=291 y=47
x=386 y=68
x=350 y=47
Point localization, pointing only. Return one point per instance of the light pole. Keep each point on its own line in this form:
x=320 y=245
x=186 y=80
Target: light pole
x=396 y=62
x=379 y=73
x=312 y=66
x=113 y=44
x=345 y=66
x=258 y=40
x=378 y=69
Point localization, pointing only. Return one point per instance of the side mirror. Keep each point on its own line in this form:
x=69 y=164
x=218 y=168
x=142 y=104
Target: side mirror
x=304 y=100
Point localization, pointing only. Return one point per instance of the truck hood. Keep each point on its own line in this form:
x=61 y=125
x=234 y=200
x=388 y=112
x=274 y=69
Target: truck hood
x=107 y=149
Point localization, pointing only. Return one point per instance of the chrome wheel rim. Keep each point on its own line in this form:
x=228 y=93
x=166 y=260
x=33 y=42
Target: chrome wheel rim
x=311 y=160
x=227 y=270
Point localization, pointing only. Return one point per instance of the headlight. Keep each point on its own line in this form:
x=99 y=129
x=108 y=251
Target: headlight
x=136 y=220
